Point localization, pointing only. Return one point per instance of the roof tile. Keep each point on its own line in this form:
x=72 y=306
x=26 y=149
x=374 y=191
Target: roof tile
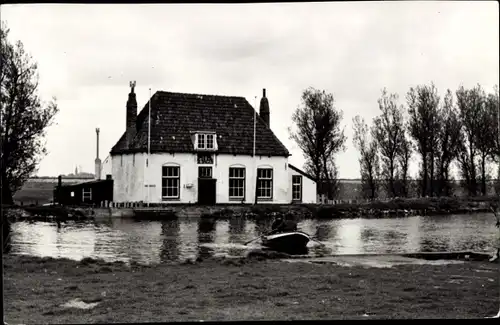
x=176 y=115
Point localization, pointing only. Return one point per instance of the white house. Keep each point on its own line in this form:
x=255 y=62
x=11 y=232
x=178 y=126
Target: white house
x=203 y=149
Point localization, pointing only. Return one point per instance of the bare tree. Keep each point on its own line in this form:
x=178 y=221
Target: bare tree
x=369 y=160
x=423 y=104
x=486 y=138
x=449 y=140
x=389 y=134
x=469 y=102
x=403 y=164
x=319 y=135
x=24 y=117
x=493 y=105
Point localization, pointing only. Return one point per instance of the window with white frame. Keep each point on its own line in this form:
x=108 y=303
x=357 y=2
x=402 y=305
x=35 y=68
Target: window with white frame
x=205 y=141
x=204 y=172
x=296 y=187
x=170 y=182
x=264 y=183
x=236 y=183
x=86 y=194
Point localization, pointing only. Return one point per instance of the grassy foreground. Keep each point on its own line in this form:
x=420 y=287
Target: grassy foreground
x=243 y=290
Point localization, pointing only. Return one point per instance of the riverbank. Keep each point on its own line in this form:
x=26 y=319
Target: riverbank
x=245 y=289
x=399 y=207
x=410 y=206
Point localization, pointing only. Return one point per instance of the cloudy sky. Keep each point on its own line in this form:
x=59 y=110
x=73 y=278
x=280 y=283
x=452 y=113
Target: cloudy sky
x=87 y=54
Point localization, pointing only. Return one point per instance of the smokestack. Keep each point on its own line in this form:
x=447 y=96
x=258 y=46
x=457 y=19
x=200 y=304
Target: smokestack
x=131 y=115
x=264 y=108
x=97 y=160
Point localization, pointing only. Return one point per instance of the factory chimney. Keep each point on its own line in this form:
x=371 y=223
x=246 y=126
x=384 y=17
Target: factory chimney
x=97 y=160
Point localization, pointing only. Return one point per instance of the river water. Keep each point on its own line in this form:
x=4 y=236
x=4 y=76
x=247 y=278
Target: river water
x=164 y=241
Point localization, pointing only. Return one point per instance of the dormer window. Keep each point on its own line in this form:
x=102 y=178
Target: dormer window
x=206 y=141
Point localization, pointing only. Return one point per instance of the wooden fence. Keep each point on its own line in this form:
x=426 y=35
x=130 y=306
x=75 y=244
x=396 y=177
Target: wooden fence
x=323 y=199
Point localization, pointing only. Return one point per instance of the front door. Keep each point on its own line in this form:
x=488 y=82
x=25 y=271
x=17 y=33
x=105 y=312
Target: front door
x=206 y=186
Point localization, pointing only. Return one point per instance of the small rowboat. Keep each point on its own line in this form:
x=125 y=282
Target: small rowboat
x=287 y=241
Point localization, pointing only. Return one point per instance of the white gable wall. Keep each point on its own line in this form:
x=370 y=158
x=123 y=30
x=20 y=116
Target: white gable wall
x=309 y=189
x=129 y=174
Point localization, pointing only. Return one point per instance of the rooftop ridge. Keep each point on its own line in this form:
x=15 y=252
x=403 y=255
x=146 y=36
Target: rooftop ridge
x=196 y=94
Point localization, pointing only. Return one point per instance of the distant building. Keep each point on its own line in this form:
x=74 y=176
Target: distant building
x=202 y=151
x=79 y=174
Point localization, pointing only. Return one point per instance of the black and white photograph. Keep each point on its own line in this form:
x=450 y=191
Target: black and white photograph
x=256 y=161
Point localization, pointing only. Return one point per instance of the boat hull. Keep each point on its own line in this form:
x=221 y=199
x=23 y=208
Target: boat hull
x=287 y=241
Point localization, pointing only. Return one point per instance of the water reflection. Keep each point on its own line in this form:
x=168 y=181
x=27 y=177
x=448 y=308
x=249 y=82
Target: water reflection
x=36 y=238
x=170 y=230
x=206 y=235
x=189 y=238
x=349 y=240
x=323 y=232
x=236 y=229
x=262 y=226
x=394 y=240
x=413 y=234
x=162 y=241
x=142 y=240
x=434 y=244
x=111 y=241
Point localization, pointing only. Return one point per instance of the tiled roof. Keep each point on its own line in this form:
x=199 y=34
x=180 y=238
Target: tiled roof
x=176 y=115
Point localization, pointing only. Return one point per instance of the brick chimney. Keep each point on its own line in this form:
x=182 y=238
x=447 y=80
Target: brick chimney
x=264 y=108
x=97 y=160
x=131 y=115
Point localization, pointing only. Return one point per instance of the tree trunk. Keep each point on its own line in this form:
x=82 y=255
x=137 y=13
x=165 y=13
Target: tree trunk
x=424 y=176
x=473 y=176
x=432 y=181
x=372 y=184
x=483 y=174
x=467 y=174
x=6 y=192
x=404 y=189
x=327 y=177
x=391 y=178
x=446 y=178
x=442 y=177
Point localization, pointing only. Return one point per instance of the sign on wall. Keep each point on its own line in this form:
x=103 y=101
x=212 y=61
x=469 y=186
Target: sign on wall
x=205 y=158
